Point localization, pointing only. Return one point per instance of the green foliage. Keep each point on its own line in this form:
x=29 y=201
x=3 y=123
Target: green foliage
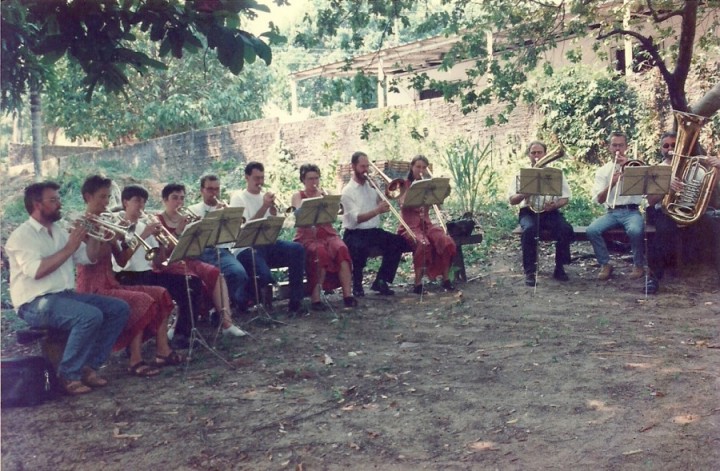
x=470 y=170
x=580 y=108
x=397 y=135
x=99 y=36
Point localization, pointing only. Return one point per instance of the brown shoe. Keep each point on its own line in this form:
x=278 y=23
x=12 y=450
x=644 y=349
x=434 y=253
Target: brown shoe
x=637 y=272
x=605 y=272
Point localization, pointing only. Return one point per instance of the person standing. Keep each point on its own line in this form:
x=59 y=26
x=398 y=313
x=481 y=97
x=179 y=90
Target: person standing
x=42 y=257
x=282 y=253
x=548 y=218
x=362 y=207
x=622 y=211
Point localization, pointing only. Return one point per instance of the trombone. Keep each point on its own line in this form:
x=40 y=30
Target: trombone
x=396 y=188
x=393 y=188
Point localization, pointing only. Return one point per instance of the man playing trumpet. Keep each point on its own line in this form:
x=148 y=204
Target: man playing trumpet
x=622 y=211
x=548 y=217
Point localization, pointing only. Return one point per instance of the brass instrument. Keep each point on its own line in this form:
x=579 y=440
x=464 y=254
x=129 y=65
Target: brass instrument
x=279 y=203
x=436 y=209
x=393 y=188
x=104 y=227
x=322 y=192
x=629 y=163
x=385 y=199
x=165 y=237
x=537 y=202
x=687 y=205
x=188 y=214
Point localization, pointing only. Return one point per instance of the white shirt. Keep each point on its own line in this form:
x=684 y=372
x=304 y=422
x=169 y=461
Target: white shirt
x=251 y=203
x=603 y=177
x=201 y=209
x=358 y=199
x=137 y=262
x=26 y=247
x=513 y=190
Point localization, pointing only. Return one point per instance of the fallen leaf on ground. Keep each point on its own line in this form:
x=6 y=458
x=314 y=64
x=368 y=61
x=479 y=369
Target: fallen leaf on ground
x=117 y=434
x=328 y=360
x=483 y=446
x=633 y=452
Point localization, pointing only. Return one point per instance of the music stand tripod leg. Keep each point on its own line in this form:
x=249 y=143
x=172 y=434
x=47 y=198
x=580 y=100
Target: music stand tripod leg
x=259 y=302
x=195 y=334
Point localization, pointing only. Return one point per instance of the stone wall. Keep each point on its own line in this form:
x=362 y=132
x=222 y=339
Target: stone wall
x=318 y=140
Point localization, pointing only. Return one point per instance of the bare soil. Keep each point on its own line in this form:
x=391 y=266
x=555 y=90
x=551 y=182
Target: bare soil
x=576 y=375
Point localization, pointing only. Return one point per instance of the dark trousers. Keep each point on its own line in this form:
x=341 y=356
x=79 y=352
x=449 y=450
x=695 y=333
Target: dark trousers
x=280 y=254
x=560 y=230
x=661 y=247
x=175 y=284
x=361 y=241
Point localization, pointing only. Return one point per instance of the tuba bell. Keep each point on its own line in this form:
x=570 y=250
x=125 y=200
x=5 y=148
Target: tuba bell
x=687 y=205
x=537 y=202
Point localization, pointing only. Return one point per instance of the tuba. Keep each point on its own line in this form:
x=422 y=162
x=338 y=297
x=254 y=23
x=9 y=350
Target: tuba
x=537 y=202
x=687 y=206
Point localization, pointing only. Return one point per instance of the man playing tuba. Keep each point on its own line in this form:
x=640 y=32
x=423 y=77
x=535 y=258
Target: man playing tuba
x=542 y=213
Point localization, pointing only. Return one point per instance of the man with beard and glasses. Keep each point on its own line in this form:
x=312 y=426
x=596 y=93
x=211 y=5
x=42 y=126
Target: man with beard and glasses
x=362 y=207
x=42 y=259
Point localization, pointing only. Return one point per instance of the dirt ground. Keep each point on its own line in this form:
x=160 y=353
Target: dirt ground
x=577 y=375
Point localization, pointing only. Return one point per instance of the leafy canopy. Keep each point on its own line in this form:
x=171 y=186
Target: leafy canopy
x=99 y=35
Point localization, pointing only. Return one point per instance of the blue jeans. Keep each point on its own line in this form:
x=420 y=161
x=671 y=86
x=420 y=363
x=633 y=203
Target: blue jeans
x=94 y=323
x=280 y=254
x=631 y=220
x=235 y=275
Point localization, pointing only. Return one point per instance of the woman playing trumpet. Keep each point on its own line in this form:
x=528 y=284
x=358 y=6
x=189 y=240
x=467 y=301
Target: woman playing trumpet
x=433 y=250
x=327 y=260
x=150 y=306
x=214 y=286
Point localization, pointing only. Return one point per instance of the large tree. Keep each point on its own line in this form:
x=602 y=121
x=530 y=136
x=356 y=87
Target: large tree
x=664 y=31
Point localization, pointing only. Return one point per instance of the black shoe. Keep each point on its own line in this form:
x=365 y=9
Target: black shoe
x=295 y=308
x=652 y=285
x=382 y=288
x=350 y=302
x=180 y=342
x=530 y=279
x=358 y=291
x=448 y=286
x=418 y=289
x=318 y=306
x=559 y=274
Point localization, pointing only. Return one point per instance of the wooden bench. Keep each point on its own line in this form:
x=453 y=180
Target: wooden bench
x=617 y=234
x=458 y=262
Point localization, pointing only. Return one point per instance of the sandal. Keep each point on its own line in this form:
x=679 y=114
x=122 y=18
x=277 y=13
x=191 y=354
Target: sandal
x=143 y=370
x=75 y=388
x=171 y=359
x=91 y=378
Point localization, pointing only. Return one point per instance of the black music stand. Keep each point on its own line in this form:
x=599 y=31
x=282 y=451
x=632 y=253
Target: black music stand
x=314 y=211
x=223 y=226
x=644 y=181
x=256 y=233
x=539 y=182
x=191 y=244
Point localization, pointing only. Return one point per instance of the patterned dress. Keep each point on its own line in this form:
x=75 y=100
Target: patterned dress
x=434 y=250
x=150 y=306
x=323 y=249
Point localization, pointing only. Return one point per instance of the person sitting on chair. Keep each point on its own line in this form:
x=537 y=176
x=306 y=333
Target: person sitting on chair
x=433 y=249
x=362 y=207
x=622 y=211
x=42 y=256
x=327 y=260
x=548 y=217
x=282 y=253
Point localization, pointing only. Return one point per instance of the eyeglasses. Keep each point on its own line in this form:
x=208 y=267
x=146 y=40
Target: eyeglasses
x=212 y=188
x=668 y=145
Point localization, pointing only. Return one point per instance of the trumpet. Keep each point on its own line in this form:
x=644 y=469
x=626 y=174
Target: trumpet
x=165 y=237
x=104 y=227
x=279 y=203
x=221 y=203
x=188 y=214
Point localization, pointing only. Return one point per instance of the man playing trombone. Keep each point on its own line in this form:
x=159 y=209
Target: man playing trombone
x=362 y=207
x=547 y=216
x=622 y=211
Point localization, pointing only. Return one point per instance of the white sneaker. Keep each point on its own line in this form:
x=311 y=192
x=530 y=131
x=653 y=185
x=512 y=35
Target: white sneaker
x=171 y=333
x=235 y=331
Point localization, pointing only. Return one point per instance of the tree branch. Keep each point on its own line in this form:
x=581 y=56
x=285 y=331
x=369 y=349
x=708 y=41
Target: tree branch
x=647 y=44
x=660 y=18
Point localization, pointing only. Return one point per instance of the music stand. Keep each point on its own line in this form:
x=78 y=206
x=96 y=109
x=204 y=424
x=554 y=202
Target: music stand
x=191 y=244
x=314 y=211
x=427 y=192
x=256 y=233
x=223 y=226
x=539 y=182
x=643 y=181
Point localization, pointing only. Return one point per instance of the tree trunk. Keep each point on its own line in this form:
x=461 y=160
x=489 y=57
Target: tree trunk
x=709 y=104
x=37 y=130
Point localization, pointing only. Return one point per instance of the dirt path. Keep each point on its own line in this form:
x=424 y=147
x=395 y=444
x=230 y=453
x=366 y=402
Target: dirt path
x=578 y=375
